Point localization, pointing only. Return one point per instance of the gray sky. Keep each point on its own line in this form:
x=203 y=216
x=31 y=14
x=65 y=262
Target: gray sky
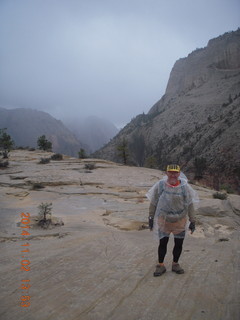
x=109 y=58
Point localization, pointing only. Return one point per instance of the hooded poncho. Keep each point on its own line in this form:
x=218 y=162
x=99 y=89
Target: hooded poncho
x=173 y=206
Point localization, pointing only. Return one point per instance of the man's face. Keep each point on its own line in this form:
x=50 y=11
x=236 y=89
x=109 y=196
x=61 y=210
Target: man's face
x=173 y=177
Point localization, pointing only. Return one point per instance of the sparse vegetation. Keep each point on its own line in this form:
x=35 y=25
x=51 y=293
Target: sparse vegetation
x=236 y=171
x=57 y=156
x=25 y=148
x=44 y=160
x=122 y=149
x=82 y=154
x=90 y=166
x=220 y=195
x=200 y=164
x=45 y=214
x=6 y=143
x=227 y=188
x=151 y=162
x=4 y=164
x=137 y=148
x=37 y=186
x=44 y=144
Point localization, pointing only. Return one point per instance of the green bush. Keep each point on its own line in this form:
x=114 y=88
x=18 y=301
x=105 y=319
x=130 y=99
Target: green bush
x=44 y=144
x=151 y=162
x=6 y=143
x=123 y=151
x=4 y=164
x=37 y=186
x=82 y=154
x=44 y=160
x=227 y=188
x=220 y=195
x=90 y=166
x=200 y=165
x=45 y=214
x=57 y=156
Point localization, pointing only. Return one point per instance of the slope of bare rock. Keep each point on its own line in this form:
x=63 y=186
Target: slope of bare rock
x=197 y=118
x=99 y=265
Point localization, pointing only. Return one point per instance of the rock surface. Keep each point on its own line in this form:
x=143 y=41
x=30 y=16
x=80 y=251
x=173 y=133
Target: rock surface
x=99 y=265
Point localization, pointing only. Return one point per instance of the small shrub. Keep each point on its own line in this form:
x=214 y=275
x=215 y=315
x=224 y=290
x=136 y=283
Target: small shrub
x=57 y=156
x=200 y=165
x=44 y=144
x=82 y=154
x=37 y=186
x=44 y=160
x=45 y=214
x=220 y=195
x=6 y=143
x=90 y=166
x=4 y=164
x=151 y=162
x=227 y=188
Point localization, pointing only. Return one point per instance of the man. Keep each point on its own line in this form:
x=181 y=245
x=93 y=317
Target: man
x=171 y=204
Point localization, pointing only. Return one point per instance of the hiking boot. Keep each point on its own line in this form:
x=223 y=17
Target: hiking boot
x=159 y=270
x=176 y=268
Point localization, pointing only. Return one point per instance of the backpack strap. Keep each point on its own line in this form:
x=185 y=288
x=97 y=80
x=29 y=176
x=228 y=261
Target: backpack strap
x=184 y=193
x=160 y=187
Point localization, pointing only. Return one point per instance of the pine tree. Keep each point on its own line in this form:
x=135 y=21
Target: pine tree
x=6 y=143
x=44 y=144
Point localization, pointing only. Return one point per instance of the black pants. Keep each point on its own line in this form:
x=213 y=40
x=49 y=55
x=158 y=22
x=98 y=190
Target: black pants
x=177 y=249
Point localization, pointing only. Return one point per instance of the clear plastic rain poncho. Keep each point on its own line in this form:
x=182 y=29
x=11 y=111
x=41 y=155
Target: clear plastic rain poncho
x=173 y=206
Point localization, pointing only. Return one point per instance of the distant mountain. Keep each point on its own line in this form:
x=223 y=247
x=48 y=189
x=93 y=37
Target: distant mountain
x=26 y=125
x=94 y=131
x=196 y=123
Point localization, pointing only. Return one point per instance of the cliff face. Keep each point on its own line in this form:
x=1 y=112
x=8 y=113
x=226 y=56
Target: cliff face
x=26 y=125
x=196 y=123
x=221 y=54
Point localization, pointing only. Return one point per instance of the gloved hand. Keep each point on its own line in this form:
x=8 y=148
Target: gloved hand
x=192 y=227
x=150 y=223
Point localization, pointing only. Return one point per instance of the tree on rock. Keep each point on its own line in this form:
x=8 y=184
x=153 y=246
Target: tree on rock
x=123 y=150
x=82 y=154
x=200 y=165
x=45 y=214
x=6 y=143
x=44 y=144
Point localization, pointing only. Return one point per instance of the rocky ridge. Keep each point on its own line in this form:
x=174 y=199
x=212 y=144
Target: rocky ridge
x=197 y=118
x=25 y=126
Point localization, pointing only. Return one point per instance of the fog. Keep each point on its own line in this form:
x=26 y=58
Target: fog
x=108 y=58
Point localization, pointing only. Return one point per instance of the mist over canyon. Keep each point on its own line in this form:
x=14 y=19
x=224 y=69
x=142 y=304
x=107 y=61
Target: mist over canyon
x=195 y=123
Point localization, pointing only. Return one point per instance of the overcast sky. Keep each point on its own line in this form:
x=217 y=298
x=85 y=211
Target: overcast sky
x=109 y=58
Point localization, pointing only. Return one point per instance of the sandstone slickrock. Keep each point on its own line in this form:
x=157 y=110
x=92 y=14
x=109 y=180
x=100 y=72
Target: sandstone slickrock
x=100 y=263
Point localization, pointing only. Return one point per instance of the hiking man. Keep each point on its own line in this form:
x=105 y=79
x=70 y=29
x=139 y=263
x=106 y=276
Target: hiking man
x=171 y=204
